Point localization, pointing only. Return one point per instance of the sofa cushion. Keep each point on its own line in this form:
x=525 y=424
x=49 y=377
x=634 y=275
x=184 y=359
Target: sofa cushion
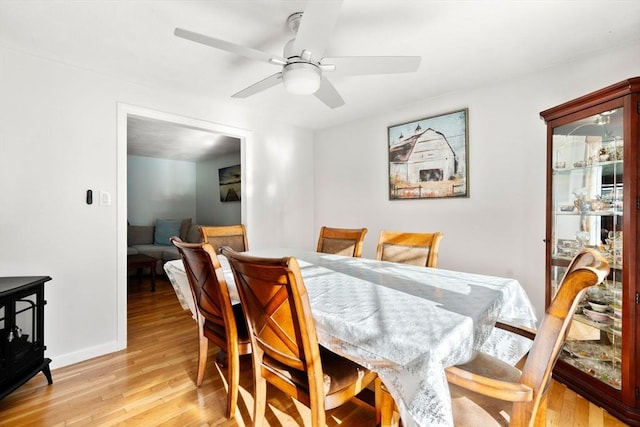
x=165 y=229
x=139 y=235
x=170 y=253
x=154 y=251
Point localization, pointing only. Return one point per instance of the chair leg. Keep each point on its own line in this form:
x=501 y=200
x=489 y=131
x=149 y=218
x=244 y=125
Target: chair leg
x=260 y=398
x=386 y=407
x=318 y=415
x=540 y=419
x=378 y=400
x=202 y=354
x=233 y=371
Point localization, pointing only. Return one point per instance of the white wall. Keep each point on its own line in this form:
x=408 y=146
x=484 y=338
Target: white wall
x=160 y=189
x=210 y=210
x=165 y=189
x=499 y=229
x=59 y=133
x=59 y=136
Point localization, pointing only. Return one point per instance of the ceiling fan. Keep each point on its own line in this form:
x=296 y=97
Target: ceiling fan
x=303 y=64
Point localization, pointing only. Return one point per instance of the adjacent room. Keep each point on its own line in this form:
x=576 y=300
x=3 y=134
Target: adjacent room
x=175 y=178
x=319 y=212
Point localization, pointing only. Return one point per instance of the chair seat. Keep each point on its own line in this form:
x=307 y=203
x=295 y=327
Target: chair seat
x=473 y=409
x=489 y=366
x=339 y=373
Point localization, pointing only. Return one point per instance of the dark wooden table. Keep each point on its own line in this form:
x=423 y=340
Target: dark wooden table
x=140 y=261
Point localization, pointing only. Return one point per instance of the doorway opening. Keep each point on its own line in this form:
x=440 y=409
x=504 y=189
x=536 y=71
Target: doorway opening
x=127 y=114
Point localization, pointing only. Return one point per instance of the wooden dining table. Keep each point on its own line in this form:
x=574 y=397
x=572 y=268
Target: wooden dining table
x=407 y=323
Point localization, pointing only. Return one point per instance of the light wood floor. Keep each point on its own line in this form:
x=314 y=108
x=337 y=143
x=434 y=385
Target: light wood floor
x=151 y=383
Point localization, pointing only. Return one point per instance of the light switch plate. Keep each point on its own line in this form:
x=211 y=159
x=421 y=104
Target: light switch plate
x=105 y=198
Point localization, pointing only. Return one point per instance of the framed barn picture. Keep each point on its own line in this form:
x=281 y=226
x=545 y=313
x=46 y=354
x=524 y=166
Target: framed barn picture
x=229 y=179
x=428 y=158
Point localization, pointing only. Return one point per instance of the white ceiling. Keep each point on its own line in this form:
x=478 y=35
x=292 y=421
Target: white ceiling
x=155 y=138
x=463 y=44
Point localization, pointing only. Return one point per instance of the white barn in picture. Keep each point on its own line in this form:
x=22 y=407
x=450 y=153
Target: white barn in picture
x=423 y=157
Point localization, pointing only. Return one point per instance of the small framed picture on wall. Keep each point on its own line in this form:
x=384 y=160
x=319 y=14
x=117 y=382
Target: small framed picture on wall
x=229 y=178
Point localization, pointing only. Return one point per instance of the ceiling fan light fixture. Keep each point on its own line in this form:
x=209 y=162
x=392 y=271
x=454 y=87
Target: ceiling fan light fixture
x=301 y=78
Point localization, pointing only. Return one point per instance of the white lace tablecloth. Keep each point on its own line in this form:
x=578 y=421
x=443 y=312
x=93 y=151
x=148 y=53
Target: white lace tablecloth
x=407 y=323
x=178 y=277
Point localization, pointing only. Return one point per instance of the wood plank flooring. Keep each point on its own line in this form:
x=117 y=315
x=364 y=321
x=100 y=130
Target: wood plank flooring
x=151 y=383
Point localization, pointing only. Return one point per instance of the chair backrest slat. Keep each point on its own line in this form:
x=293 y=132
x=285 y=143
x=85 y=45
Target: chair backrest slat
x=409 y=248
x=341 y=241
x=234 y=236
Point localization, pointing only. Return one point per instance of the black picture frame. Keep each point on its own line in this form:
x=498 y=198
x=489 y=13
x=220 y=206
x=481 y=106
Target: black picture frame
x=230 y=184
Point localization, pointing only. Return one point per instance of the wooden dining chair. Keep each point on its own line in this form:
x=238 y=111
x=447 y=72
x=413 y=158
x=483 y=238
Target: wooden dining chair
x=234 y=236
x=218 y=320
x=409 y=248
x=286 y=353
x=488 y=392
x=341 y=241
x=486 y=389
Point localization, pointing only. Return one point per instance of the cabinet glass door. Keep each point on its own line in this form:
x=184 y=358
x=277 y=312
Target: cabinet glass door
x=587 y=207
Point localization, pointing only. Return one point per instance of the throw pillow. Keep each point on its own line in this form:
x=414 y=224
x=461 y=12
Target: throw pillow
x=165 y=229
x=185 y=225
x=193 y=235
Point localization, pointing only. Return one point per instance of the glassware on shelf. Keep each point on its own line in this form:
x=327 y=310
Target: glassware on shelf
x=582 y=237
x=613 y=244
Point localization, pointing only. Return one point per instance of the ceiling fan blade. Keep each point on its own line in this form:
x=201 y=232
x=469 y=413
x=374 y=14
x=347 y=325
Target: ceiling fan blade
x=328 y=94
x=264 y=84
x=318 y=20
x=230 y=47
x=356 y=65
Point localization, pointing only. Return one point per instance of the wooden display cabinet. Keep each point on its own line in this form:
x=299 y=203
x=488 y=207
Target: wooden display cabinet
x=593 y=201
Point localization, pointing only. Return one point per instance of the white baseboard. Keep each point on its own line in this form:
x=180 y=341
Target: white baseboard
x=62 y=360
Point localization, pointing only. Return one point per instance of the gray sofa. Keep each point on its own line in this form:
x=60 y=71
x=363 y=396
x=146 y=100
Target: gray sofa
x=142 y=239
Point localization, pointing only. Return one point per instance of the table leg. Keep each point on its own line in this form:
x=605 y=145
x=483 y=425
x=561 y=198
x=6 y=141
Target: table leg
x=153 y=277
